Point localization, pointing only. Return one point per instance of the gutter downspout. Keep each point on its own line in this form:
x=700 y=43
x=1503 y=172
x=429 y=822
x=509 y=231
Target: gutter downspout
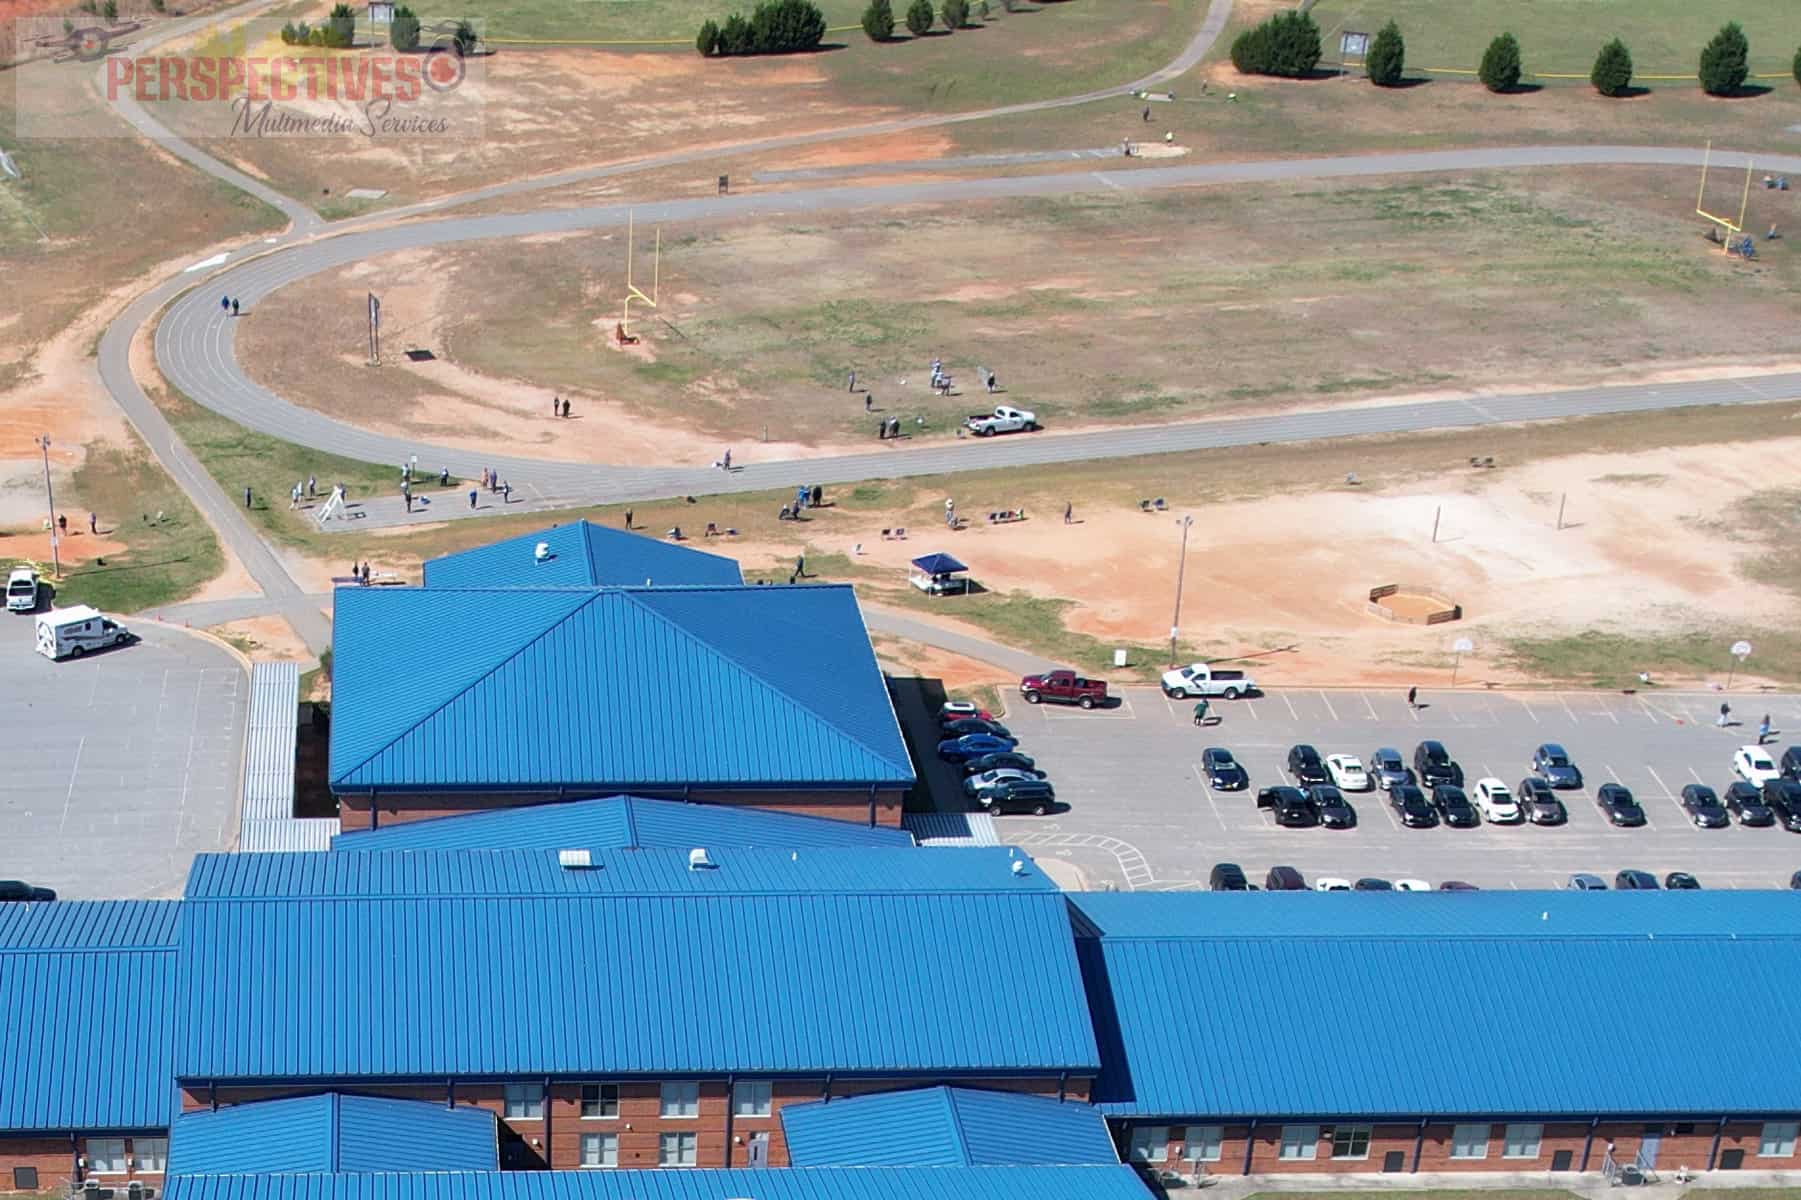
x=374 y=810
x=1250 y=1144
x=1062 y=1086
x=547 y=1163
x=75 y=1157
x=450 y=1093
x=1713 y=1151
x=212 y=1095
x=1588 y=1143
x=731 y=1104
x=1419 y=1145
x=872 y=799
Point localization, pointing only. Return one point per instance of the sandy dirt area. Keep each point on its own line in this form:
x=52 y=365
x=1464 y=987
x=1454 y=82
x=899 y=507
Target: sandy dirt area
x=266 y=639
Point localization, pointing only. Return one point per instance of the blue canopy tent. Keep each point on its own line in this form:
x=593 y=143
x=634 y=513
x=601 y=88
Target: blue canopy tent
x=939 y=575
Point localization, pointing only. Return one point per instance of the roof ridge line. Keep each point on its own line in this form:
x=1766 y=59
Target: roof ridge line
x=732 y=894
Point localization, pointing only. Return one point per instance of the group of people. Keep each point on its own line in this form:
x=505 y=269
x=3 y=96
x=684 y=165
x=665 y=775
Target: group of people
x=559 y=407
x=492 y=482
x=309 y=488
x=227 y=304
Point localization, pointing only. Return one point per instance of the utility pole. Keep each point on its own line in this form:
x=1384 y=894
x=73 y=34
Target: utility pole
x=1181 y=571
x=56 y=558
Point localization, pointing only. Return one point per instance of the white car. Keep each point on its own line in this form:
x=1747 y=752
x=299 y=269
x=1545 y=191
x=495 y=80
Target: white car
x=1754 y=765
x=987 y=781
x=1348 y=773
x=22 y=590
x=1412 y=885
x=1496 y=803
x=1330 y=883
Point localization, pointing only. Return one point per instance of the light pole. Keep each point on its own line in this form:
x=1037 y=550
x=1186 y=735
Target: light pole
x=56 y=559
x=1175 y=626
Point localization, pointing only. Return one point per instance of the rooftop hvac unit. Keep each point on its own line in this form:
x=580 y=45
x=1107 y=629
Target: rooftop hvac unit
x=574 y=860
x=1019 y=868
x=698 y=859
x=541 y=552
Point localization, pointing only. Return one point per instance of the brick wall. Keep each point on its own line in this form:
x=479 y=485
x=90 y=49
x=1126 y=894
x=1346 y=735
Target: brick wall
x=54 y=1160
x=850 y=805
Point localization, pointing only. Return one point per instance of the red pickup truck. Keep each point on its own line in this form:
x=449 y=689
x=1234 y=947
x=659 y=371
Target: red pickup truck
x=1064 y=687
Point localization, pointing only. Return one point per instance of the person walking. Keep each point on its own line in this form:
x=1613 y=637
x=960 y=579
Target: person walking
x=565 y=409
x=294 y=497
x=1725 y=715
x=312 y=485
x=93 y=524
x=852 y=385
x=628 y=518
x=224 y=303
x=1147 y=114
x=443 y=476
x=1069 y=513
x=1763 y=730
x=246 y=497
x=1200 y=713
x=408 y=497
x=868 y=403
x=800 y=565
x=990 y=382
x=1413 y=699
x=556 y=406
x=472 y=495
x=506 y=492
x=234 y=308
x=727 y=460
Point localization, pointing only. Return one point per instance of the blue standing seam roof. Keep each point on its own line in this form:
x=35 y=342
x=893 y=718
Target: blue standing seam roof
x=1596 y=1022
x=581 y=554
x=653 y=985
x=946 y=1127
x=331 y=1132
x=621 y=822
x=619 y=689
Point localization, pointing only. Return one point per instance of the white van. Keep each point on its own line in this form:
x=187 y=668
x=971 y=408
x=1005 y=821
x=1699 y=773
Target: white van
x=69 y=632
x=22 y=590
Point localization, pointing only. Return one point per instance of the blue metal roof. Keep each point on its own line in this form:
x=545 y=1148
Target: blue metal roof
x=946 y=1127
x=89 y=989
x=457 y=874
x=332 y=1132
x=609 y=690
x=1449 y=1004
x=581 y=554
x=818 y=1183
x=653 y=984
x=618 y=822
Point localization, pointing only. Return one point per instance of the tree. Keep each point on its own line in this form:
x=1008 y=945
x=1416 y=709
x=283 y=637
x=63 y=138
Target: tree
x=1387 y=56
x=1798 y=65
x=954 y=13
x=403 y=30
x=287 y=33
x=1613 y=69
x=707 y=40
x=1725 y=61
x=785 y=26
x=340 y=27
x=1250 y=51
x=734 y=35
x=110 y=10
x=878 y=20
x=1287 y=44
x=1500 y=69
x=919 y=17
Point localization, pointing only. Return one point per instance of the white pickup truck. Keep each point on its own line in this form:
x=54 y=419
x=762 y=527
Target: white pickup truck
x=1004 y=419
x=1199 y=679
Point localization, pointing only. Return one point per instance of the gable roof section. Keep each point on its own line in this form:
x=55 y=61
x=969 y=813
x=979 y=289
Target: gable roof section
x=530 y=688
x=621 y=822
x=89 y=1030
x=582 y=554
x=1582 y=976
x=946 y=1127
x=333 y=1132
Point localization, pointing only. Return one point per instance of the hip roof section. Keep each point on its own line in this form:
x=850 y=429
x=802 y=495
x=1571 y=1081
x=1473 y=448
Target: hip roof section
x=581 y=554
x=946 y=1127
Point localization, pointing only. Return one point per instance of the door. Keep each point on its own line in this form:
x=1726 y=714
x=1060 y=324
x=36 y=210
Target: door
x=1394 y=1162
x=1561 y=1160
x=759 y=1150
x=1732 y=1160
x=1648 y=1147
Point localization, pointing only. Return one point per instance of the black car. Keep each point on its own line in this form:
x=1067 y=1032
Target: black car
x=1330 y=806
x=1372 y=884
x=1551 y=763
x=1704 y=807
x=1289 y=806
x=1454 y=807
x=1305 y=767
x=1228 y=877
x=1681 y=881
x=1790 y=763
x=1745 y=802
x=1635 y=881
x=1794 y=882
x=1223 y=771
x=1616 y=801
x=1284 y=879
x=1411 y=806
x=1783 y=798
x=1538 y=803
x=1020 y=795
x=1003 y=758
x=1457 y=885
x=959 y=726
x=15 y=889
x=1432 y=763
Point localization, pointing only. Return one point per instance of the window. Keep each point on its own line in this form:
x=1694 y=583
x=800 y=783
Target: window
x=106 y=1156
x=681 y=1100
x=1300 y=1142
x=600 y=1149
x=1351 y=1141
x=1778 y=1140
x=1469 y=1141
x=750 y=1099
x=675 y=1150
x=1150 y=1143
x=524 y=1102
x=151 y=1152
x=600 y=1101
x=25 y=1179
x=1200 y=1143
x=1522 y=1141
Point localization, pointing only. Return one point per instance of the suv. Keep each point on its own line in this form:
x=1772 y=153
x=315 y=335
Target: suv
x=1432 y=763
x=1284 y=879
x=1790 y=764
x=1305 y=767
x=1745 y=802
x=1063 y=687
x=1387 y=768
x=1552 y=764
x=1783 y=798
x=22 y=590
x=1019 y=795
x=1228 y=877
x=1289 y=806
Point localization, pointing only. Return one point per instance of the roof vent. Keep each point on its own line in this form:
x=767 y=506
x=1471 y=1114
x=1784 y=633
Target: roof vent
x=698 y=860
x=1019 y=867
x=574 y=860
x=541 y=552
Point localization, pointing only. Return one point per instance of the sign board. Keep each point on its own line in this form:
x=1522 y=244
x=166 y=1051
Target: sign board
x=1463 y=646
x=381 y=12
x=1353 y=45
x=1741 y=650
x=1119 y=658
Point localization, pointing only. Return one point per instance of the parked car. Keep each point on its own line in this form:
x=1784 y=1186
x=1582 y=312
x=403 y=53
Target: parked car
x=1582 y=881
x=1615 y=800
x=1745 y=801
x=1289 y=806
x=1635 y=881
x=1457 y=885
x=1389 y=768
x=1794 y=882
x=1411 y=807
x=1063 y=687
x=1222 y=770
x=958 y=726
x=1004 y=419
x=1284 y=879
x=1434 y=765
x=1347 y=772
x=1753 y=764
x=1199 y=679
x=22 y=590
x=1790 y=765
x=950 y=710
x=1703 y=807
x=1412 y=885
x=1330 y=807
x=18 y=890
x=1000 y=759
x=1681 y=881
x=1496 y=803
x=1454 y=808
x=1228 y=877
x=1369 y=883
x=962 y=749
x=1783 y=798
x=1331 y=883
x=1551 y=763
x=1539 y=804
x=1020 y=795
x=1304 y=765
x=986 y=781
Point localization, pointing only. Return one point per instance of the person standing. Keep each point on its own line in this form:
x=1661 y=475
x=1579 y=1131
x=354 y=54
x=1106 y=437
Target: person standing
x=628 y=518
x=1413 y=699
x=556 y=406
x=234 y=308
x=1763 y=730
x=565 y=409
x=1725 y=714
x=312 y=485
x=868 y=403
x=852 y=386
x=506 y=492
x=93 y=524
x=472 y=495
x=1069 y=513
x=246 y=497
x=443 y=476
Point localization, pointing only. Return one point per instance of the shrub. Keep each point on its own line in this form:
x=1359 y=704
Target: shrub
x=707 y=40
x=157 y=6
x=1250 y=51
x=1287 y=44
x=878 y=20
x=403 y=31
x=303 y=34
x=110 y=10
x=316 y=37
x=287 y=34
x=785 y=26
x=954 y=13
x=1500 y=70
x=919 y=17
x=1387 y=57
x=340 y=27
x=1613 y=69
x=734 y=35
x=1725 y=61
x=1798 y=64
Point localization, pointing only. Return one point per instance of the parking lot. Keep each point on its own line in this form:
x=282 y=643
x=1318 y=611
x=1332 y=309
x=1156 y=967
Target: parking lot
x=121 y=765
x=1139 y=814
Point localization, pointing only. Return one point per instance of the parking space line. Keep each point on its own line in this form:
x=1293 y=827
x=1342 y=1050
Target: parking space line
x=1364 y=696
x=1252 y=705
x=1291 y=712
x=1607 y=711
x=1389 y=812
x=1328 y=704
x=1208 y=792
x=1566 y=708
x=1530 y=710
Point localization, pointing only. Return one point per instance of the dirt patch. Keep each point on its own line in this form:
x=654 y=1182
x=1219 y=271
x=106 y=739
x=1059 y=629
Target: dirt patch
x=78 y=546
x=266 y=639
